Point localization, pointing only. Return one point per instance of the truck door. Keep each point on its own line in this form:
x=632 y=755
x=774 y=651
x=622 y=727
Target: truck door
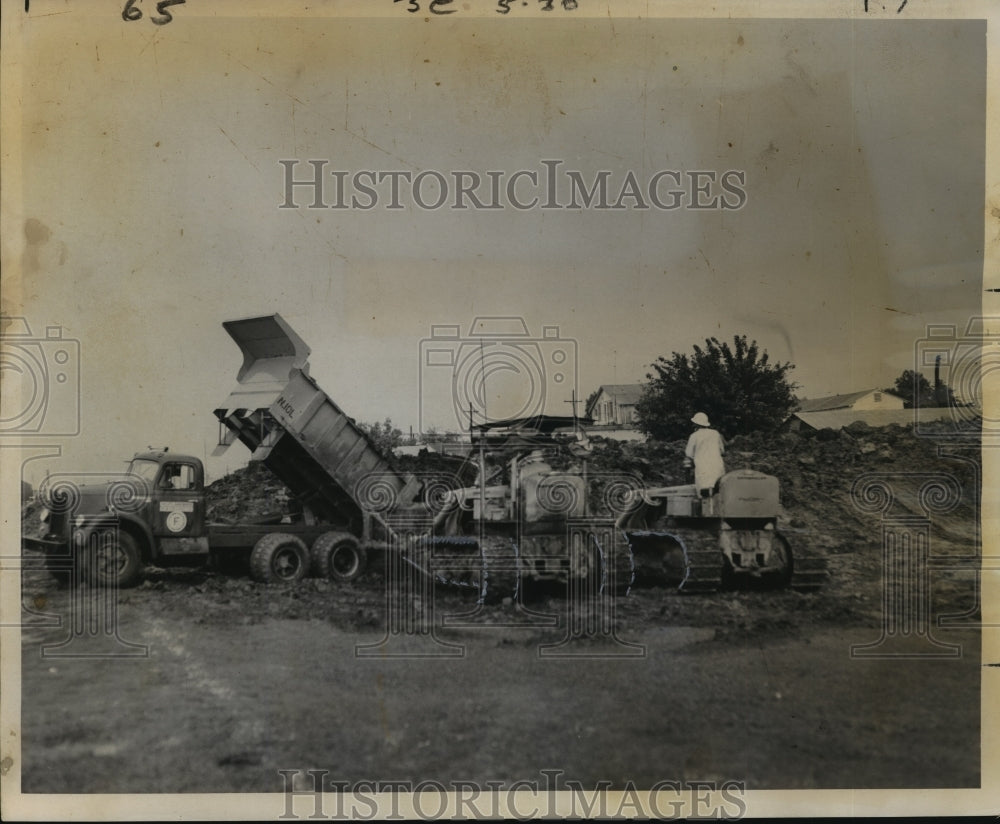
x=179 y=511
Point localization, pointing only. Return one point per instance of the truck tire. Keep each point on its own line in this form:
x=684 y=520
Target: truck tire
x=339 y=557
x=112 y=558
x=280 y=559
x=61 y=571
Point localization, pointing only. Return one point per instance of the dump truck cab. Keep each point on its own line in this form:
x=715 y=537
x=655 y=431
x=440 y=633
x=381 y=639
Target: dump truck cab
x=174 y=508
x=152 y=513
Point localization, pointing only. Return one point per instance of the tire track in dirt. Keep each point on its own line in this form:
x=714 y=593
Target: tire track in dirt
x=246 y=739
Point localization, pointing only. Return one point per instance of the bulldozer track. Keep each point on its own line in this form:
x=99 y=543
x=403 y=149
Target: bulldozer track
x=619 y=567
x=809 y=571
x=460 y=568
x=501 y=568
x=490 y=564
x=703 y=559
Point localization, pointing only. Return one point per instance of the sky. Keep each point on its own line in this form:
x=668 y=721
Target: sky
x=149 y=211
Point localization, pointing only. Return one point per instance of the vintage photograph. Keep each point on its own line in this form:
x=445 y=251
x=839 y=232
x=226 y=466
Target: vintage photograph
x=498 y=408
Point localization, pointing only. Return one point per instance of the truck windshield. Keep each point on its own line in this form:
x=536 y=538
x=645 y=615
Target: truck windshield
x=144 y=469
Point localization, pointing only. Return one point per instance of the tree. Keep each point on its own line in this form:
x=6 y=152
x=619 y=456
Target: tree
x=385 y=436
x=738 y=387
x=914 y=388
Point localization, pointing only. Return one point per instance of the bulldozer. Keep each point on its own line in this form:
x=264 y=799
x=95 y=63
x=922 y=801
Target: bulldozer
x=726 y=539
x=538 y=511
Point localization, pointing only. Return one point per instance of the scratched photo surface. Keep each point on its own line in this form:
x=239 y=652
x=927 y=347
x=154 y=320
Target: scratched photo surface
x=495 y=217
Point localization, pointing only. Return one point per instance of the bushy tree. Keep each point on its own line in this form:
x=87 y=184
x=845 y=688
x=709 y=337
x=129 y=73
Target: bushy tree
x=385 y=436
x=914 y=389
x=738 y=387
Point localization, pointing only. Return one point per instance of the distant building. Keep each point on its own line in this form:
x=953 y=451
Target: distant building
x=614 y=405
x=869 y=399
x=873 y=406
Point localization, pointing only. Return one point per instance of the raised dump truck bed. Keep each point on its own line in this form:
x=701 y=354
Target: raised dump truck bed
x=300 y=434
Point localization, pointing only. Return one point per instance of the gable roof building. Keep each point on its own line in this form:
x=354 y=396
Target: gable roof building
x=873 y=406
x=866 y=399
x=615 y=404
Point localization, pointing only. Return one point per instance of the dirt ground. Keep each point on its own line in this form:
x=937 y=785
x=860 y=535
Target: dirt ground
x=220 y=682
x=240 y=680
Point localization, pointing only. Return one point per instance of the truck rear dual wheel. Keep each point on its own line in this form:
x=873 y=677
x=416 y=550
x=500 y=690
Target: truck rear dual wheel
x=279 y=558
x=338 y=556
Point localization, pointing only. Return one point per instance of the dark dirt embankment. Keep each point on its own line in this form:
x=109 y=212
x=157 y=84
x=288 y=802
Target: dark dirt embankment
x=242 y=679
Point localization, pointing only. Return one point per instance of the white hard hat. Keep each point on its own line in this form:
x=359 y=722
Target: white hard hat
x=701 y=419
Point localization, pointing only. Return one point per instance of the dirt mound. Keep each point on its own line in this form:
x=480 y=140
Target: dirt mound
x=246 y=495
x=821 y=474
x=824 y=508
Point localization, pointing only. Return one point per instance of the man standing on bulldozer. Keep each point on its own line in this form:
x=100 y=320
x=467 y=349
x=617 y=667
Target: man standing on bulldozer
x=704 y=451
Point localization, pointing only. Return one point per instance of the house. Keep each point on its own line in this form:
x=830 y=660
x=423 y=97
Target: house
x=873 y=406
x=869 y=399
x=614 y=404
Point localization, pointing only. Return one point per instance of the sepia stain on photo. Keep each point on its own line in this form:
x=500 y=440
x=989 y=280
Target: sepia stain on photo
x=496 y=409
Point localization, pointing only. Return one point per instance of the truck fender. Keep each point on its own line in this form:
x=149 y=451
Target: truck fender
x=127 y=521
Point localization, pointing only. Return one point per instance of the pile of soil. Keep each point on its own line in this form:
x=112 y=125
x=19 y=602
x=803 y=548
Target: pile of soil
x=246 y=495
x=820 y=472
x=822 y=509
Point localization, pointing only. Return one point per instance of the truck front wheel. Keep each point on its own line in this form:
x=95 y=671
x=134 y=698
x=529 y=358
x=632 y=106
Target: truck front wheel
x=279 y=558
x=113 y=558
x=338 y=556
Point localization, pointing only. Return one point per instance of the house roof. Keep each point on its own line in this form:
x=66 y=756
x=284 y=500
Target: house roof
x=545 y=424
x=836 y=401
x=839 y=418
x=626 y=394
x=534 y=431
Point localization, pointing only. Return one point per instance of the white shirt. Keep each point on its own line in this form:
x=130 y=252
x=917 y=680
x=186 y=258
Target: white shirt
x=706 y=448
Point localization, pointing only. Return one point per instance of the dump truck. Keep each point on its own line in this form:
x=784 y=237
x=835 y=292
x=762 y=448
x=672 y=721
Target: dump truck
x=529 y=517
x=156 y=511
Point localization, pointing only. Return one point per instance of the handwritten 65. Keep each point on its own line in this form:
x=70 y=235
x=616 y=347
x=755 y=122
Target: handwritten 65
x=132 y=12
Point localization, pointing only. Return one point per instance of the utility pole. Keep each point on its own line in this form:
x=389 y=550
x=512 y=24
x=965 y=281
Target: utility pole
x=573 y=401
x=576 y=432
